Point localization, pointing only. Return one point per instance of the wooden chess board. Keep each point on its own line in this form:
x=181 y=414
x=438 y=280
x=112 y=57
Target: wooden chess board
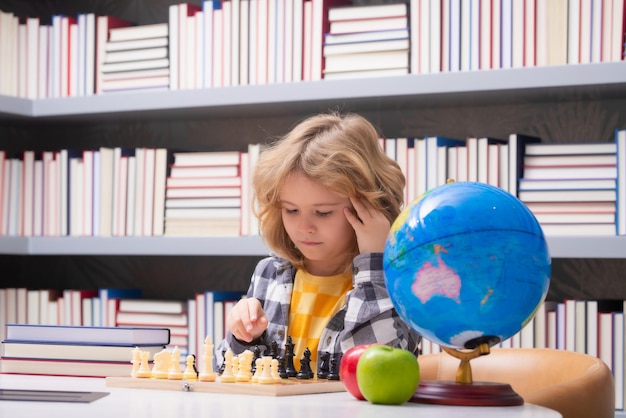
x=286 y=387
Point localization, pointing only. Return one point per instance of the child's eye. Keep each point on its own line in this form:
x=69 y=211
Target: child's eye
x=323 y=214
x=290 y=211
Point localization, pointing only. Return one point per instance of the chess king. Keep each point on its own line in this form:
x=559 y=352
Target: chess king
x=325 y=197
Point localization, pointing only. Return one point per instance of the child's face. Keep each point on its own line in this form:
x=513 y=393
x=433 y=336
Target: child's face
x=314 y=220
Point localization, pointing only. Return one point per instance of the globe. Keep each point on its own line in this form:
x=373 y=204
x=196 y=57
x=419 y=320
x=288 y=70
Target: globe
x=466 y=264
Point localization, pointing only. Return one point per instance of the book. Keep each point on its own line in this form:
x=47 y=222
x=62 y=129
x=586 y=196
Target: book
x=135 y=65
x=206 y=159
x=203 y=182
x=620 y=140
x=151 y=305
x=369 y=36
x=202 y=192
x=364 y=25
x=92 y=335
x=141 y=319
x=362 y=47
x=367 y=61
x=66 y=367
x=570 y=149
x=600 y=171
x=84 y=352
x=136 y=44
x=567 y=195
x=367 y=11
x=518 y=143
x=569 y=160
x=571 y=207
x=109 y=310
x=156 y=30
x=202 y=213
x=204 y=171
x=319 y=27
x=209 y=202
x=136 y=55
x=566 y=184
x=103 y=25
x=579 y=229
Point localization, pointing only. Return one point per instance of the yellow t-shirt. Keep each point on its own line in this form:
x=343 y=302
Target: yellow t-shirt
x=315 y=299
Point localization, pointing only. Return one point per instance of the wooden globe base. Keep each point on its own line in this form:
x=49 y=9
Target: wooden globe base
x=465 y=391
x=473 y=394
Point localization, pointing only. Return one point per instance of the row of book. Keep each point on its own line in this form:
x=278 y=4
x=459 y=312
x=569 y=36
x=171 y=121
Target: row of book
x=573 y=189
x=188 y=321
x=588 y=326
x=239 y=42
x=77 y=350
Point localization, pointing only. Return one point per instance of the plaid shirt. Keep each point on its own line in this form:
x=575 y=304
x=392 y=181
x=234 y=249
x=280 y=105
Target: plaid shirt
x=368 y=316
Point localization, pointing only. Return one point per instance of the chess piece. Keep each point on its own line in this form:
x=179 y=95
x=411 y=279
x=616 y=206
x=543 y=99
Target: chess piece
x=281 y=367
x=333 y=373
x=174 y=372
x=290 y=369
x=324 y=367
x=258 y=369
x=256 y=355
x=136 y=361
x=274 y=370
x=244 y=374
x=273 y=350
x=190 y=373
x=305 y=366
x=227 y=374
x=220 y=371
x=161 y=366
x=266 y=375
x=207 y=374
x=144 y=369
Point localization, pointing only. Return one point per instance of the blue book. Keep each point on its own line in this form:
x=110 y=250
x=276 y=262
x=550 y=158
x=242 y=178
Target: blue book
x=129 y=336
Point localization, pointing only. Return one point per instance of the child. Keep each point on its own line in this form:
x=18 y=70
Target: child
x=326 y=196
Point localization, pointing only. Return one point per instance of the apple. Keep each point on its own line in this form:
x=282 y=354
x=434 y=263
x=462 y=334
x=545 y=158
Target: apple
x=347 y=369
x=387 y=375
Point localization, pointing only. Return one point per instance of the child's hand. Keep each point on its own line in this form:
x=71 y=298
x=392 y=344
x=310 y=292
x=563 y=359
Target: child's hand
x=371 y=226
x=247 y=320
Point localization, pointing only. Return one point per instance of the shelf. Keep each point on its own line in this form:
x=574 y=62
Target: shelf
x=171 y=246
x=560 y=247
x=598 y=81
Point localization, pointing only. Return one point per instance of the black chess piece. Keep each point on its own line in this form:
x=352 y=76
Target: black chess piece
x=305 y=366
x=290 y=368
x=333 y=373
x=324 y=367
x=273 y=350
x=256 y=354
x=220 y=370
x=281 y=367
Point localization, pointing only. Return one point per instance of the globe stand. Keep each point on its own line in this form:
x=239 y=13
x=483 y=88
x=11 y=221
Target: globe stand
x=464 y=391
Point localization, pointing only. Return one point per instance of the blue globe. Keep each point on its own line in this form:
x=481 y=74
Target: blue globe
x=466 y=264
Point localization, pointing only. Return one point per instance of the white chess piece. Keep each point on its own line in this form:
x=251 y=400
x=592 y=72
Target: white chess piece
x=174 y=372
x=266 y=375
x=228 y=376
x=207 y=374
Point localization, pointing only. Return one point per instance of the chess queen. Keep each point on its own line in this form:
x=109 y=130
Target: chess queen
x=326 y=195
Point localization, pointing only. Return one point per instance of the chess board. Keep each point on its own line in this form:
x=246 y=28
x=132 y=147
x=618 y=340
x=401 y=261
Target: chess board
x=286 y=387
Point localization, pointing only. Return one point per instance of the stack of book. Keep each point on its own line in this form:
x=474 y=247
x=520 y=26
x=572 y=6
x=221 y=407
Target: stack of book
x=571 y=188
x=203 y=194
x=76 y=351
x=367 y=41
x=171 y=314
x=136 y=57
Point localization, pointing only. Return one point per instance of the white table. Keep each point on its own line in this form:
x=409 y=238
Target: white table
x=144 y=403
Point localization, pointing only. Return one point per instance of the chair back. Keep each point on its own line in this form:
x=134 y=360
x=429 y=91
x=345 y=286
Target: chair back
x=574 y=384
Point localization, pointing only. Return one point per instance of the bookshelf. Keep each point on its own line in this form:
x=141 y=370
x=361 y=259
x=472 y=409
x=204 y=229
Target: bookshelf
x=518 y=85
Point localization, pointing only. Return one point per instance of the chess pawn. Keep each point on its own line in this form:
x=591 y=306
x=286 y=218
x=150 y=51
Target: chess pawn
x=258 y=370
x=144 y=369
x=190 y=373
x=305 y=366
x=274 y=370
x=227 y=374
x=174 y=372
x=333 y=373
x=266 y=375
x=281 y=368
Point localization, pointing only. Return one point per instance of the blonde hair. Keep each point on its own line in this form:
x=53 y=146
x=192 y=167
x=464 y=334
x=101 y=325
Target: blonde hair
x=340 y=152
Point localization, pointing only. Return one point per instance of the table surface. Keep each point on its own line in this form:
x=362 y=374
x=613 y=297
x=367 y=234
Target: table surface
x=143 y=403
